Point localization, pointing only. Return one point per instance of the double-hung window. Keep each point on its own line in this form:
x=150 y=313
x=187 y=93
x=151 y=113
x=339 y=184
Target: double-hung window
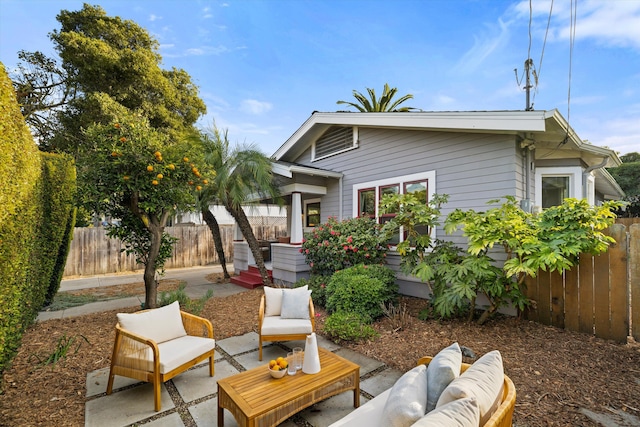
x=367 y=196
x=554 y=184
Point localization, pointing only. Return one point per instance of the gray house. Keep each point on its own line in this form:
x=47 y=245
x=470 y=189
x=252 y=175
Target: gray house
x=339 y=164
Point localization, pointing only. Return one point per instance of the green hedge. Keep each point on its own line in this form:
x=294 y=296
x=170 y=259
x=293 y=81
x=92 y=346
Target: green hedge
x=36 y=219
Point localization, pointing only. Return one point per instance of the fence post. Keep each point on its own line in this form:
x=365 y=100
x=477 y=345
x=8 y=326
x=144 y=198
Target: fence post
x=619 y=296
x=634 y=279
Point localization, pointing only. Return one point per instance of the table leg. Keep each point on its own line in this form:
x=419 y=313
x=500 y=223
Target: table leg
x=356 y=391
x=220 y=411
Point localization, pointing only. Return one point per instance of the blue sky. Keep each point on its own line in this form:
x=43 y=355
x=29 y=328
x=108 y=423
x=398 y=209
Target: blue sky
x=264 y=66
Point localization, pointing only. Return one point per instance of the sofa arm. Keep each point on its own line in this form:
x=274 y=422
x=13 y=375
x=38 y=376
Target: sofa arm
x=196 y=325
x=131 y=351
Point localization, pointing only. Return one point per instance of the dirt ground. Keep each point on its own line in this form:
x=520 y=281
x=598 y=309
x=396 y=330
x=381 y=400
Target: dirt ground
x=561 y=378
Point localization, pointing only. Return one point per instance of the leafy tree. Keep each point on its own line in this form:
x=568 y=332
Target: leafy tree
x=384 y=104
x=628 y=177
x=243 y=175
x=101 y=54
x=131 y=171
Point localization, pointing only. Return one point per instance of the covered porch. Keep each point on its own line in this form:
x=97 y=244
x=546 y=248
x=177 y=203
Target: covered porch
x=303 y=189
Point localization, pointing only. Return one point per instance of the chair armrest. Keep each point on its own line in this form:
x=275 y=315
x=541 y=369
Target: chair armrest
x=312 y=315
x=128 y=344
x=196 y=325
x=261 y=313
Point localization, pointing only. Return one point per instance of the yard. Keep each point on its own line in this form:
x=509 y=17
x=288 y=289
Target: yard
x=559 y=376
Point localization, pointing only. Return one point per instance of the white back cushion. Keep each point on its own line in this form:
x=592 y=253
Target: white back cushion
x=407 y=402
x=273 y=299
x=159 y=324
x=444 y=368
x=484 y=380
x=459 y=413
x=295 y=303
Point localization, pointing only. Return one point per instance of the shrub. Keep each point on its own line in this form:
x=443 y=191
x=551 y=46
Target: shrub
x=187 y=304
x=344 y=326
x=336 y=245
x=361 y=289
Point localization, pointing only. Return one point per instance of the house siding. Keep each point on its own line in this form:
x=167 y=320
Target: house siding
x=471 y=168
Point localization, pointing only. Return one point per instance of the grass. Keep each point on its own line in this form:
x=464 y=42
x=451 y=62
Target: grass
x=64 y=300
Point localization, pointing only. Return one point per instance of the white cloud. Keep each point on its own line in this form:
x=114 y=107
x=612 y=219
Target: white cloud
x=206 y=13
x=256 y=107
x=153 y=17
x=620 y=134
x=484 y=45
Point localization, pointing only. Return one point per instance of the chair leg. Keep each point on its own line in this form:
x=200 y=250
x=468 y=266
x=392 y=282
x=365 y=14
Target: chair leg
x=157 y=386
x=260 y=348
x=211 y=367
x=110 y=382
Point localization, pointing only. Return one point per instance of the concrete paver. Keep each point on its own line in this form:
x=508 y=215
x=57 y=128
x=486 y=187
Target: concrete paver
x=132 y=402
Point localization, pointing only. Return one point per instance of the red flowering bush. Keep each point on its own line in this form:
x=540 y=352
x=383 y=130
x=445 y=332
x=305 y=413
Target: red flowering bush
x=336 y=245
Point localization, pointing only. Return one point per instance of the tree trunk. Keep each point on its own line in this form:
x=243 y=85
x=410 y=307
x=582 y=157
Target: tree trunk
x=211 y=221
x=150 y=285
x=247 y=232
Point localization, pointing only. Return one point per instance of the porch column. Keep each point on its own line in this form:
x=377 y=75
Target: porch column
x=237 y=234
x=296 y=218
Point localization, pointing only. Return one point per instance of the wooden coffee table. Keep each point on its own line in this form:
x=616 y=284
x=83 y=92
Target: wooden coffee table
x=256 y=399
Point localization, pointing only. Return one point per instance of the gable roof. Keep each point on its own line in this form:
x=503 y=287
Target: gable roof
x=548 y=129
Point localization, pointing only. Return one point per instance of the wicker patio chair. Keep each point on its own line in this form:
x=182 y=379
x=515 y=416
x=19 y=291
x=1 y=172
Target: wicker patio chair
x=156 y=345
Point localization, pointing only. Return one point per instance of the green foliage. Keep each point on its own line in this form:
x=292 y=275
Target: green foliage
x=345 y=326
x=186 y=304
x=361 y=289
x=549 y=241
x=336 y=245
x=34 y=215
x=63 y=346
x=384 y=104
x=628 y=177
x=318 y=286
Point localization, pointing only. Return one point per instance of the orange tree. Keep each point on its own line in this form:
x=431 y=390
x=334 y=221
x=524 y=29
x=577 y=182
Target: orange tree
x=131 y=172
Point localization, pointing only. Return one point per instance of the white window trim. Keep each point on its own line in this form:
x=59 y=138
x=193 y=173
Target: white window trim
x=354 y=145
x=575 y=181
x=429 y=176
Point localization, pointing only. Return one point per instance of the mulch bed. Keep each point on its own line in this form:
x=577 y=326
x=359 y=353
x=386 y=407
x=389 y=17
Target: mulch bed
x=557 y=374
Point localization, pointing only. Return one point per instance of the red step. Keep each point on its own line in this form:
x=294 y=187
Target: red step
x=250 y=278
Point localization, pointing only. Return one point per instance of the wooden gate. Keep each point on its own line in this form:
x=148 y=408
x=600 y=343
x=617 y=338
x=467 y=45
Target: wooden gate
x=600 y=295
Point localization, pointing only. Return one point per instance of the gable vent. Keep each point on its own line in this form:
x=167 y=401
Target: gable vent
x=333 y=141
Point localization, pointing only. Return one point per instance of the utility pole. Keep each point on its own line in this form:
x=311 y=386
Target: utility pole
x=527 y=69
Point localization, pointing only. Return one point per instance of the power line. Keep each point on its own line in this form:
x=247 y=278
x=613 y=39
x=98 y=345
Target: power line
x=536 y=76
x=572 y=39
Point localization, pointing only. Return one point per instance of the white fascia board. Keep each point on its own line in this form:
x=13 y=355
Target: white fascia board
x=303 y=188
x=282 y=170
x=315 y=172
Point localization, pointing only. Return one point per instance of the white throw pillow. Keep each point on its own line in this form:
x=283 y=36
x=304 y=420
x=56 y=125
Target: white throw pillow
x=407 y=402
x=159 y=324
x=484 y=380
x=295 y=303
x=272 y=301
x=444 y=368
x=459 y=413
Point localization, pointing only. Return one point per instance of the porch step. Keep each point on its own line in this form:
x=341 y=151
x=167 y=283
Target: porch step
x=250 y=278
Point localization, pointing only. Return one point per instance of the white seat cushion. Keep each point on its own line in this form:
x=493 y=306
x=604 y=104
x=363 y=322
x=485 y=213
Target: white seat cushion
x=484 y=380
x=459 y=413
x=366 y=415
x=275 y=325
x=159 y=324
x=172 y=353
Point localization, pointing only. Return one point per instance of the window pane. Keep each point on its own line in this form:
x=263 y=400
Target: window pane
x=313 y=214
x=554 y=190
x=419 y=189
x=367 y=202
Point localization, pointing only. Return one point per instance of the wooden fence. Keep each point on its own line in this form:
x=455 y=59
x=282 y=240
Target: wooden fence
x=93 y=252
x=599 y=296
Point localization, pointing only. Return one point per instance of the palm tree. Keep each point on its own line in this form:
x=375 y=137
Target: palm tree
x=242 y=175
x=384 y=104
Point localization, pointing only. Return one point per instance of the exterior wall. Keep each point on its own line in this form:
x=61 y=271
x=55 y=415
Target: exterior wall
x=288 y=263
x=470 y=168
